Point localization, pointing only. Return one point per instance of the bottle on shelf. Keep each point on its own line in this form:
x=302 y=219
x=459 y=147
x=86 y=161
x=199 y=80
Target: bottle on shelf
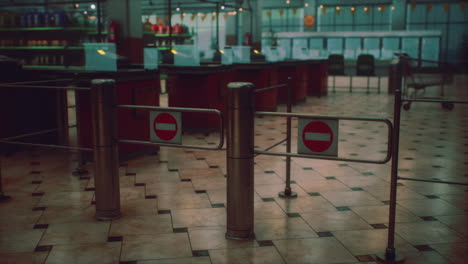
x=147 y=26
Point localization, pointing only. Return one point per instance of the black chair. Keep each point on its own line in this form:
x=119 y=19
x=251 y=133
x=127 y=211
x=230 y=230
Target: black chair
x=336 y=67
x=366 y=67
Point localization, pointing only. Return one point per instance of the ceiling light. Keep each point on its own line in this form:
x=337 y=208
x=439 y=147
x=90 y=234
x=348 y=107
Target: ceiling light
x=93 y=6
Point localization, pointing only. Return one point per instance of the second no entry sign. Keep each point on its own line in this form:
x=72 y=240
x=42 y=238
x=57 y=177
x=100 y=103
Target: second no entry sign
x=165 y=127
x=318 y=137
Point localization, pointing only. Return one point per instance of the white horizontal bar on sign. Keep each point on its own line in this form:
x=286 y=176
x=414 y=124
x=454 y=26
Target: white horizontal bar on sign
x=317 y=136
x=165 y=126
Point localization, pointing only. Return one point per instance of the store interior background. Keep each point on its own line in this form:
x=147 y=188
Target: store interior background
x=448 y=20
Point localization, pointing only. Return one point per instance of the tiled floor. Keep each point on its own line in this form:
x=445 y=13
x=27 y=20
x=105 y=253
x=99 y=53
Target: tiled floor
x=173 y=203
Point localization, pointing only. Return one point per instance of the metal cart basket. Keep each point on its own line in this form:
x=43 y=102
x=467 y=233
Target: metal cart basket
x=422 y=74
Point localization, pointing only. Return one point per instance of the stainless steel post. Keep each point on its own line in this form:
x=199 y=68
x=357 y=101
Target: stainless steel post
x=395 y=76
x=287 y=191
x=106 y=178
x=240 y=161
x=3 y=197
x=390 y=255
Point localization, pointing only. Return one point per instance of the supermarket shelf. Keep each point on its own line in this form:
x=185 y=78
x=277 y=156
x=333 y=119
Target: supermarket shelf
x=48 y=28
x=42 y=48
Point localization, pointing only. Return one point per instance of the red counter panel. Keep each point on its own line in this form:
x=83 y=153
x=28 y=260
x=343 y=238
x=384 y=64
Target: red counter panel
x=318 y=75
x=198 y=91
x=132 y=124
x=262 y=77
x=300 y=75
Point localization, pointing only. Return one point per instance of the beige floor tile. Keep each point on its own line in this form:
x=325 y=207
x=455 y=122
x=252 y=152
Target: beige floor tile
x=192 y=260
x=403 y=193
x=365 y=242
x=198 y=217
x=272 y=178
x=130 y=193
x=378 y=214
x=335 y=221
x=425 y=233
x=156 y=176
x=105 y=253
x=314 y=250
x=430 y=207
x=431 y=257
x=141 y=225
x=423 y=123
x=321 y=185
x=69 y=184
x=209 y=183
x=305 y=204
x=23 y=258
x=21 y=223
x=351 y=198
x=204 y=238
x=457 y=200
x=193 y=173
x=459 y=223
x=169 y=188
x=63 y=199
x=147 y=247
x=246 y=255
x=75 y=233
x=363 y=181
x=24 y=241
x=282 y=228
x=138 y=207
x=184 y=201
x=267 y=210
x=457 y=253
x=433 y=189
x=59 y=215
x=219 y=196
x=272 y=190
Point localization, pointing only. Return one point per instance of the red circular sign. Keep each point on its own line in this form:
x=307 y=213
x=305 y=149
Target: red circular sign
x=165 y=126
x=317 y=136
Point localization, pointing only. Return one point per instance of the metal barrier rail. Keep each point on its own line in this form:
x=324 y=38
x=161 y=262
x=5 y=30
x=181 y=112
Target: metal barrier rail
x=30 y=134
x=287 y=154
x=287 y=193
x=8 y=140
x=396 y=69
x=272 y=87
x=240 y=155
x=435 y=101
x=183 y=110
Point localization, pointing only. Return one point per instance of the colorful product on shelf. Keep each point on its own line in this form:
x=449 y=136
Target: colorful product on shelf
x=176 y=29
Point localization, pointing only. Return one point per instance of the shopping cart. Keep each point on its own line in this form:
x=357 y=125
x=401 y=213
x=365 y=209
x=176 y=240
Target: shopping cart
x=414 y=85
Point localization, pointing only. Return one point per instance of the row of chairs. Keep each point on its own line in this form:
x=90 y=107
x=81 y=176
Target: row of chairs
x=365 y=66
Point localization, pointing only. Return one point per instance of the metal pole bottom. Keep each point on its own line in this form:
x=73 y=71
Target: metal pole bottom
x=287 y=194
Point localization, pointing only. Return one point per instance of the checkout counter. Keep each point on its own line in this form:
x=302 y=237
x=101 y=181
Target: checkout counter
x=191 y=83
x=202 y=85
x=27 y=109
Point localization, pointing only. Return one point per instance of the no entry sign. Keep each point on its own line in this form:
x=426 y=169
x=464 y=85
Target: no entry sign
x=318 y=137
x=165 y=127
